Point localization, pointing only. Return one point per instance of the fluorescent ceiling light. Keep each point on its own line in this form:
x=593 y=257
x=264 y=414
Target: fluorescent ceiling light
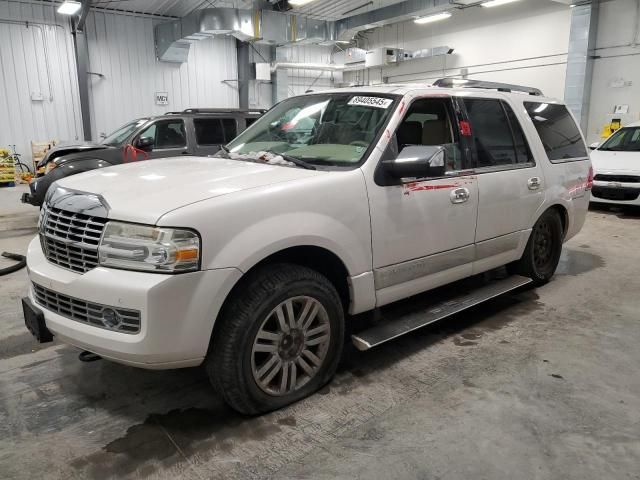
x=433 y=18
x=496 y=3
x=299 y=3
x=69 y=7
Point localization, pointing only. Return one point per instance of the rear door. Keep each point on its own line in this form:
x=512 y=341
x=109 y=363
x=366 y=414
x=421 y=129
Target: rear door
x=212 y=132
x=510 y=182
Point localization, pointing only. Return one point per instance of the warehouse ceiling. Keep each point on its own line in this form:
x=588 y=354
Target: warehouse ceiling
x=322 y=9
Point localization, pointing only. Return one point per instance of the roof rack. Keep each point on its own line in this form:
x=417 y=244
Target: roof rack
x=223 y=110
x=501 y=87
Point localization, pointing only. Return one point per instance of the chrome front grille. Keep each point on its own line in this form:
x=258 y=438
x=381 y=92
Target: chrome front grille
x=71 y=239
x=103 y=316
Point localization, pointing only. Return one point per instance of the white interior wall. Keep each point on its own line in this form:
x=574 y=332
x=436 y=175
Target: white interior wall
x=24 y=72
x=121 y=47
x=618 y=65
x=522 y=43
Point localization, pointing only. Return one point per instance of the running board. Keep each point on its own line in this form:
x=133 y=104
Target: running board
x=388 y=330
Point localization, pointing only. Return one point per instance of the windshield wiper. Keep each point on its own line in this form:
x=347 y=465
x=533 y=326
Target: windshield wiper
x=294 y=160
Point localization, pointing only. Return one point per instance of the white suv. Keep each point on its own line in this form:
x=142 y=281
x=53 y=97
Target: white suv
x=332 y=204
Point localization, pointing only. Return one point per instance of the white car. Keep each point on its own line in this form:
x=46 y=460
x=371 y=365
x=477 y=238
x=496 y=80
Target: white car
x=616 y=164
x=332 y=204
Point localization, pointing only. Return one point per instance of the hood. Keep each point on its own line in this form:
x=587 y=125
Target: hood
x=606 y=161
x=144 y=191
x=61 y=150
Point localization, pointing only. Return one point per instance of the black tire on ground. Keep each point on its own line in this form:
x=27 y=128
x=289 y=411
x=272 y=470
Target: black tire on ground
x=232 y=363
x=542 y=253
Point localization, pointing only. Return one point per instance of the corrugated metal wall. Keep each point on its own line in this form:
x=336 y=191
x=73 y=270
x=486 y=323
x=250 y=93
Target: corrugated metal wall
x=27 y=70
x=121 y=47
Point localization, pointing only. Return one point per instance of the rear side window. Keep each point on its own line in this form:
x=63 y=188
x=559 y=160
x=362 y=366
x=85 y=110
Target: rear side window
x=215 y=131
x=492 y=133
x=523 y=152
x=558 y=131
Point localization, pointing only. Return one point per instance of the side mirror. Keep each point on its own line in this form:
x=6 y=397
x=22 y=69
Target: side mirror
x=417 y=162
x=145 y=143
x=594 y=145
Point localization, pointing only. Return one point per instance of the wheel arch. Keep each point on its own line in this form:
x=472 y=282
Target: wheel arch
x=564 y=216
x=315 y=257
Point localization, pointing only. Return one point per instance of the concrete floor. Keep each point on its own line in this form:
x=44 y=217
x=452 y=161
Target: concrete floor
x=539 y=384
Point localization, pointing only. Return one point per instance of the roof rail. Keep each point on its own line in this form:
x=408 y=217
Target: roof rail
x=501 y=87
x=223 y=110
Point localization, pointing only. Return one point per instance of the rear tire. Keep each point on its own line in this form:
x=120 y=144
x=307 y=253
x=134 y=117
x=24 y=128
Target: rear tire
x=278 y=340
x=542 y=253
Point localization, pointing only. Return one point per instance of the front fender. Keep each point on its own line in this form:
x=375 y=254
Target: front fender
x=284 y=231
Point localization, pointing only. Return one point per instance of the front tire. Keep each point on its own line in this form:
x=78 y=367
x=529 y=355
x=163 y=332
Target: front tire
x=542 y=253
x=279 y=339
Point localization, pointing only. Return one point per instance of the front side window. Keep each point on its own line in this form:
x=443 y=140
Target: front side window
x=492 y=133
x=624 y=140
x=558 y=131
x=325 y=129
x=166 y=134
x=429 y=122
x=117 y=138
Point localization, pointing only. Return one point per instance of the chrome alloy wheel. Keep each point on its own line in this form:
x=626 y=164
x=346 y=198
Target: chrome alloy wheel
x=290 y=346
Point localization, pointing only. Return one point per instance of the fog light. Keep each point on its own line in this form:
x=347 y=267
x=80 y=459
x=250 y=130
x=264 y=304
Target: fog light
x=111 y=318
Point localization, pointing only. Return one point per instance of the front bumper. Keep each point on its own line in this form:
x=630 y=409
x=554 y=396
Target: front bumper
x=616 y=193
x=177 y=311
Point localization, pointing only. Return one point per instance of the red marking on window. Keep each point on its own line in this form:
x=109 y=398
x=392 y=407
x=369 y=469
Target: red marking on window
x=465 y=128
x=387 y=133
x=402 y=107
x=288 y=126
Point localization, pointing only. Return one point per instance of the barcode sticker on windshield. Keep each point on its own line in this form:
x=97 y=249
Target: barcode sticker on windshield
x=377 y=102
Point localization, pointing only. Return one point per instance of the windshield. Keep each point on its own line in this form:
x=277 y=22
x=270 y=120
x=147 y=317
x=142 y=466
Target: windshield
x=624 y=140
x=120 y=135
x=325 y=129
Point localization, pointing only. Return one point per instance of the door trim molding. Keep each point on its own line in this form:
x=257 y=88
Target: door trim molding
x=421 y=267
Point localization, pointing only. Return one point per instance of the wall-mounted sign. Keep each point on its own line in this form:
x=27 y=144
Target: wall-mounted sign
x=621 y=109
x=162 y=98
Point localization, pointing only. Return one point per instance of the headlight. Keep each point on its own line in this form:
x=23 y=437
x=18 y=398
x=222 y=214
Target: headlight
x=49 y=166
x=149 y=249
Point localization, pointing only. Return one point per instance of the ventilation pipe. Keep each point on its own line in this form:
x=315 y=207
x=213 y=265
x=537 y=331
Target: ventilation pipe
x=173 y=39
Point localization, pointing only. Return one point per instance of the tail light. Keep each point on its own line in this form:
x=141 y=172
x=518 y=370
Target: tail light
x=589 y=179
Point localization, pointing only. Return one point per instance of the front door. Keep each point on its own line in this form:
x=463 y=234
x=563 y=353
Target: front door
x=169 y=139
x=510 y=183
x=423 y=229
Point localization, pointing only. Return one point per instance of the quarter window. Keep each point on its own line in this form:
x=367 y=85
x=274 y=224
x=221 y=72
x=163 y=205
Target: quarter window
x=492 y=133
x=558 y=131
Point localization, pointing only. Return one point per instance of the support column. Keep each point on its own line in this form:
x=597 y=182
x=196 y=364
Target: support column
x=244 y=74
x=82 y=67
x=582 y=44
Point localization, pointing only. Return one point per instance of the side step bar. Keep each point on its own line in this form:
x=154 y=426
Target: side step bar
x=388 y=330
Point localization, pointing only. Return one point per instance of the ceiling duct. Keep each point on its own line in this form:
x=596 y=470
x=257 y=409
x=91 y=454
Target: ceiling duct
x=348 y=27
x=173 y=39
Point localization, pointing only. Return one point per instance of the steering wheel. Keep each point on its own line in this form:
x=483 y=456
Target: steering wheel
x=359 y=143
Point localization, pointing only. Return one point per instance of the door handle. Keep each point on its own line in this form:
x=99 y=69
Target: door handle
x=459 y=195
x=533 y=183
x=184 y=153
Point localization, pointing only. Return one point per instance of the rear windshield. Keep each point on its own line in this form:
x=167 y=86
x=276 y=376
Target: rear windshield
x=558 y=131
